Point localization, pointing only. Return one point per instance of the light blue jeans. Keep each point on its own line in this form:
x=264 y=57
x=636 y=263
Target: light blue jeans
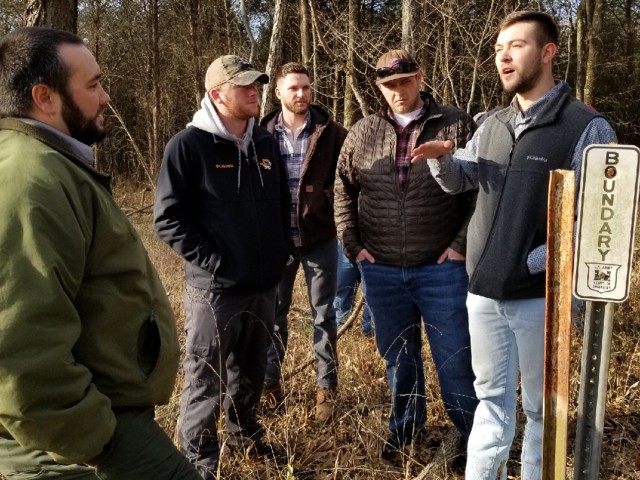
x=505 y=336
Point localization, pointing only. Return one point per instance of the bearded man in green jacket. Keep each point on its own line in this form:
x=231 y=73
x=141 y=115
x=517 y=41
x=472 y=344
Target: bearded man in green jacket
x=88 y=342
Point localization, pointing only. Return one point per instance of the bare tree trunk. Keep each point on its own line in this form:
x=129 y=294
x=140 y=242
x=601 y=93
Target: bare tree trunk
x=305 y=44
x=336 y=93
x=228 y=16
x=407 y=25
x=97 y=37
x=315 y=77
x=478 y=57
x=194 y=39
x=448 y=92
x=569 y=44
x=247 y=27
x=155 y=142
x=275 y=52
x=350 y=80
x=581 y=20
x=61 y=14
x=595 y=48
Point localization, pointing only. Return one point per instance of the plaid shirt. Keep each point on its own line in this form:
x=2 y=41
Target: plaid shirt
x=405 y=141
x=293 y=147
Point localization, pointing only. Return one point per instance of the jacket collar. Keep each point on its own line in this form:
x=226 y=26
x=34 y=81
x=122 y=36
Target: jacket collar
x=319 y=117
x=63 y=144
x=432 y=110
x=543 y=111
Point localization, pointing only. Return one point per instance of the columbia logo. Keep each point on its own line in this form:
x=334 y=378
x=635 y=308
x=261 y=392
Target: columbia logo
x=536 y=159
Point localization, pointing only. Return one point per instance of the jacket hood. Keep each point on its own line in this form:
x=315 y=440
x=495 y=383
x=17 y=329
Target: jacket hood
x=207 y=119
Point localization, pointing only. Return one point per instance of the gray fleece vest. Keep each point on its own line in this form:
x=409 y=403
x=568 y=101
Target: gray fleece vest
x=511 y=212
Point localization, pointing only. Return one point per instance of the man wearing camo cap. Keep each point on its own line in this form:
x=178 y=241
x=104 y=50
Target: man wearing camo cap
x=222 y=202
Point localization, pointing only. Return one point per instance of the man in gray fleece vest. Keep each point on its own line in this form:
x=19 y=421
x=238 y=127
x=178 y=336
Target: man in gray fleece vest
x=509 y=159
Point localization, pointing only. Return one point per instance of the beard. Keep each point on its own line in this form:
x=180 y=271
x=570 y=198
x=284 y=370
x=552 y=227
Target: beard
x=299 y=108
x=82 y=128
x=525 y=82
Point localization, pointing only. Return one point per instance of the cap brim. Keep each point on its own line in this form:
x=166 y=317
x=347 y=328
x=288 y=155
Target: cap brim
x=395 y=76
x=250 y=76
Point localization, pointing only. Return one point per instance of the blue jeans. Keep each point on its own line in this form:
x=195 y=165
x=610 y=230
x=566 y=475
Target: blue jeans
x=506 y=335
x=348 y=279
x=399 y=298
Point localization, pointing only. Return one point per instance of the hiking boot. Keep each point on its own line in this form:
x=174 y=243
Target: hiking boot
x=325 y=398
x=273 y=396
x=256 y=448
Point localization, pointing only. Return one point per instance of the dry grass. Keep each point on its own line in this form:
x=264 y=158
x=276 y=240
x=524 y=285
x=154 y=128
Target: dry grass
x=349 y=448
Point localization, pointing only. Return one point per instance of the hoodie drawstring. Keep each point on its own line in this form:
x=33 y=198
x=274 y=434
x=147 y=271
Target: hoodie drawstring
x=255 y=159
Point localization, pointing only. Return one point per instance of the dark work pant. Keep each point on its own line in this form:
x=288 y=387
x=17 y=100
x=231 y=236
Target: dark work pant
x=140 y=450
x=320 y=264
x=224 y=366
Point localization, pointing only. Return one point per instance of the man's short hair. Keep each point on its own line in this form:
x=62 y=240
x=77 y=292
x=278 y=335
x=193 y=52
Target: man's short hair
x=29 y=56
x=291 y=67
x=547 y=30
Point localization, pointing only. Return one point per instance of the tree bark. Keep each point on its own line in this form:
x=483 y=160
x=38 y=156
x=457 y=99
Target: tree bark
x=194 y=39
x=581 y=20
x=407 y=25
x=349 y=97
x=247 y=27
x=305 y=42
x=595 y=49
x=155 y=142
x=60 y=14
x=275 y=53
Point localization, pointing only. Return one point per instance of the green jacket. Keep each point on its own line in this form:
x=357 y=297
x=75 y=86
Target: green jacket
x=85 y=324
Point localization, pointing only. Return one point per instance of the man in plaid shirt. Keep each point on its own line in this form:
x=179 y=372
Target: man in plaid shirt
x=410 y=242
x=310 y=143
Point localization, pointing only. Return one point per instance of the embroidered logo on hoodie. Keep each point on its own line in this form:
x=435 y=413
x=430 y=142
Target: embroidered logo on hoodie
x=265 y=163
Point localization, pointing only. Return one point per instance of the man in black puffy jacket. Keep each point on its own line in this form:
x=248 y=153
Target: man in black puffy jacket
x=409 y=238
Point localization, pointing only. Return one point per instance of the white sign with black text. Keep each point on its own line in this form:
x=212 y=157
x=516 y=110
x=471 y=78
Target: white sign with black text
x=607 y=206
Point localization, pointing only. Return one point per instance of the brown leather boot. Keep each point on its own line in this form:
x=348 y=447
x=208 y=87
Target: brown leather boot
x=325 y=398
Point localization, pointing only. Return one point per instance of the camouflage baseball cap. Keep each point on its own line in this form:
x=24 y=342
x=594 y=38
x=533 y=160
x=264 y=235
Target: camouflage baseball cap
x=233 y=69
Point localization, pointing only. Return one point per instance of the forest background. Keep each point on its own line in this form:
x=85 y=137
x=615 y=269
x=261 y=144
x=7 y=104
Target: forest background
x=154 y=54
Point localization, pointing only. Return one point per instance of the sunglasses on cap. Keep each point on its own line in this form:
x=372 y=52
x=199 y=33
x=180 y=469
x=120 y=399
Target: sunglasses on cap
x=400 y=67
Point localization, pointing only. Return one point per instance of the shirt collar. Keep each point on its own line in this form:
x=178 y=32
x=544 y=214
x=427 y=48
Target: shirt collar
x=537 y=106
x=85 y=152
x=280 y=126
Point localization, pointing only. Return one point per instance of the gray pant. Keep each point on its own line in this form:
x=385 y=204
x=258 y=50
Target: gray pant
x=224 y=365
x=320 y=265
x=140 y=450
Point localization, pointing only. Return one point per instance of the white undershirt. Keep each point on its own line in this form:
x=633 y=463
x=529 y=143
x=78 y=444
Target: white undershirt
x=404 y=119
